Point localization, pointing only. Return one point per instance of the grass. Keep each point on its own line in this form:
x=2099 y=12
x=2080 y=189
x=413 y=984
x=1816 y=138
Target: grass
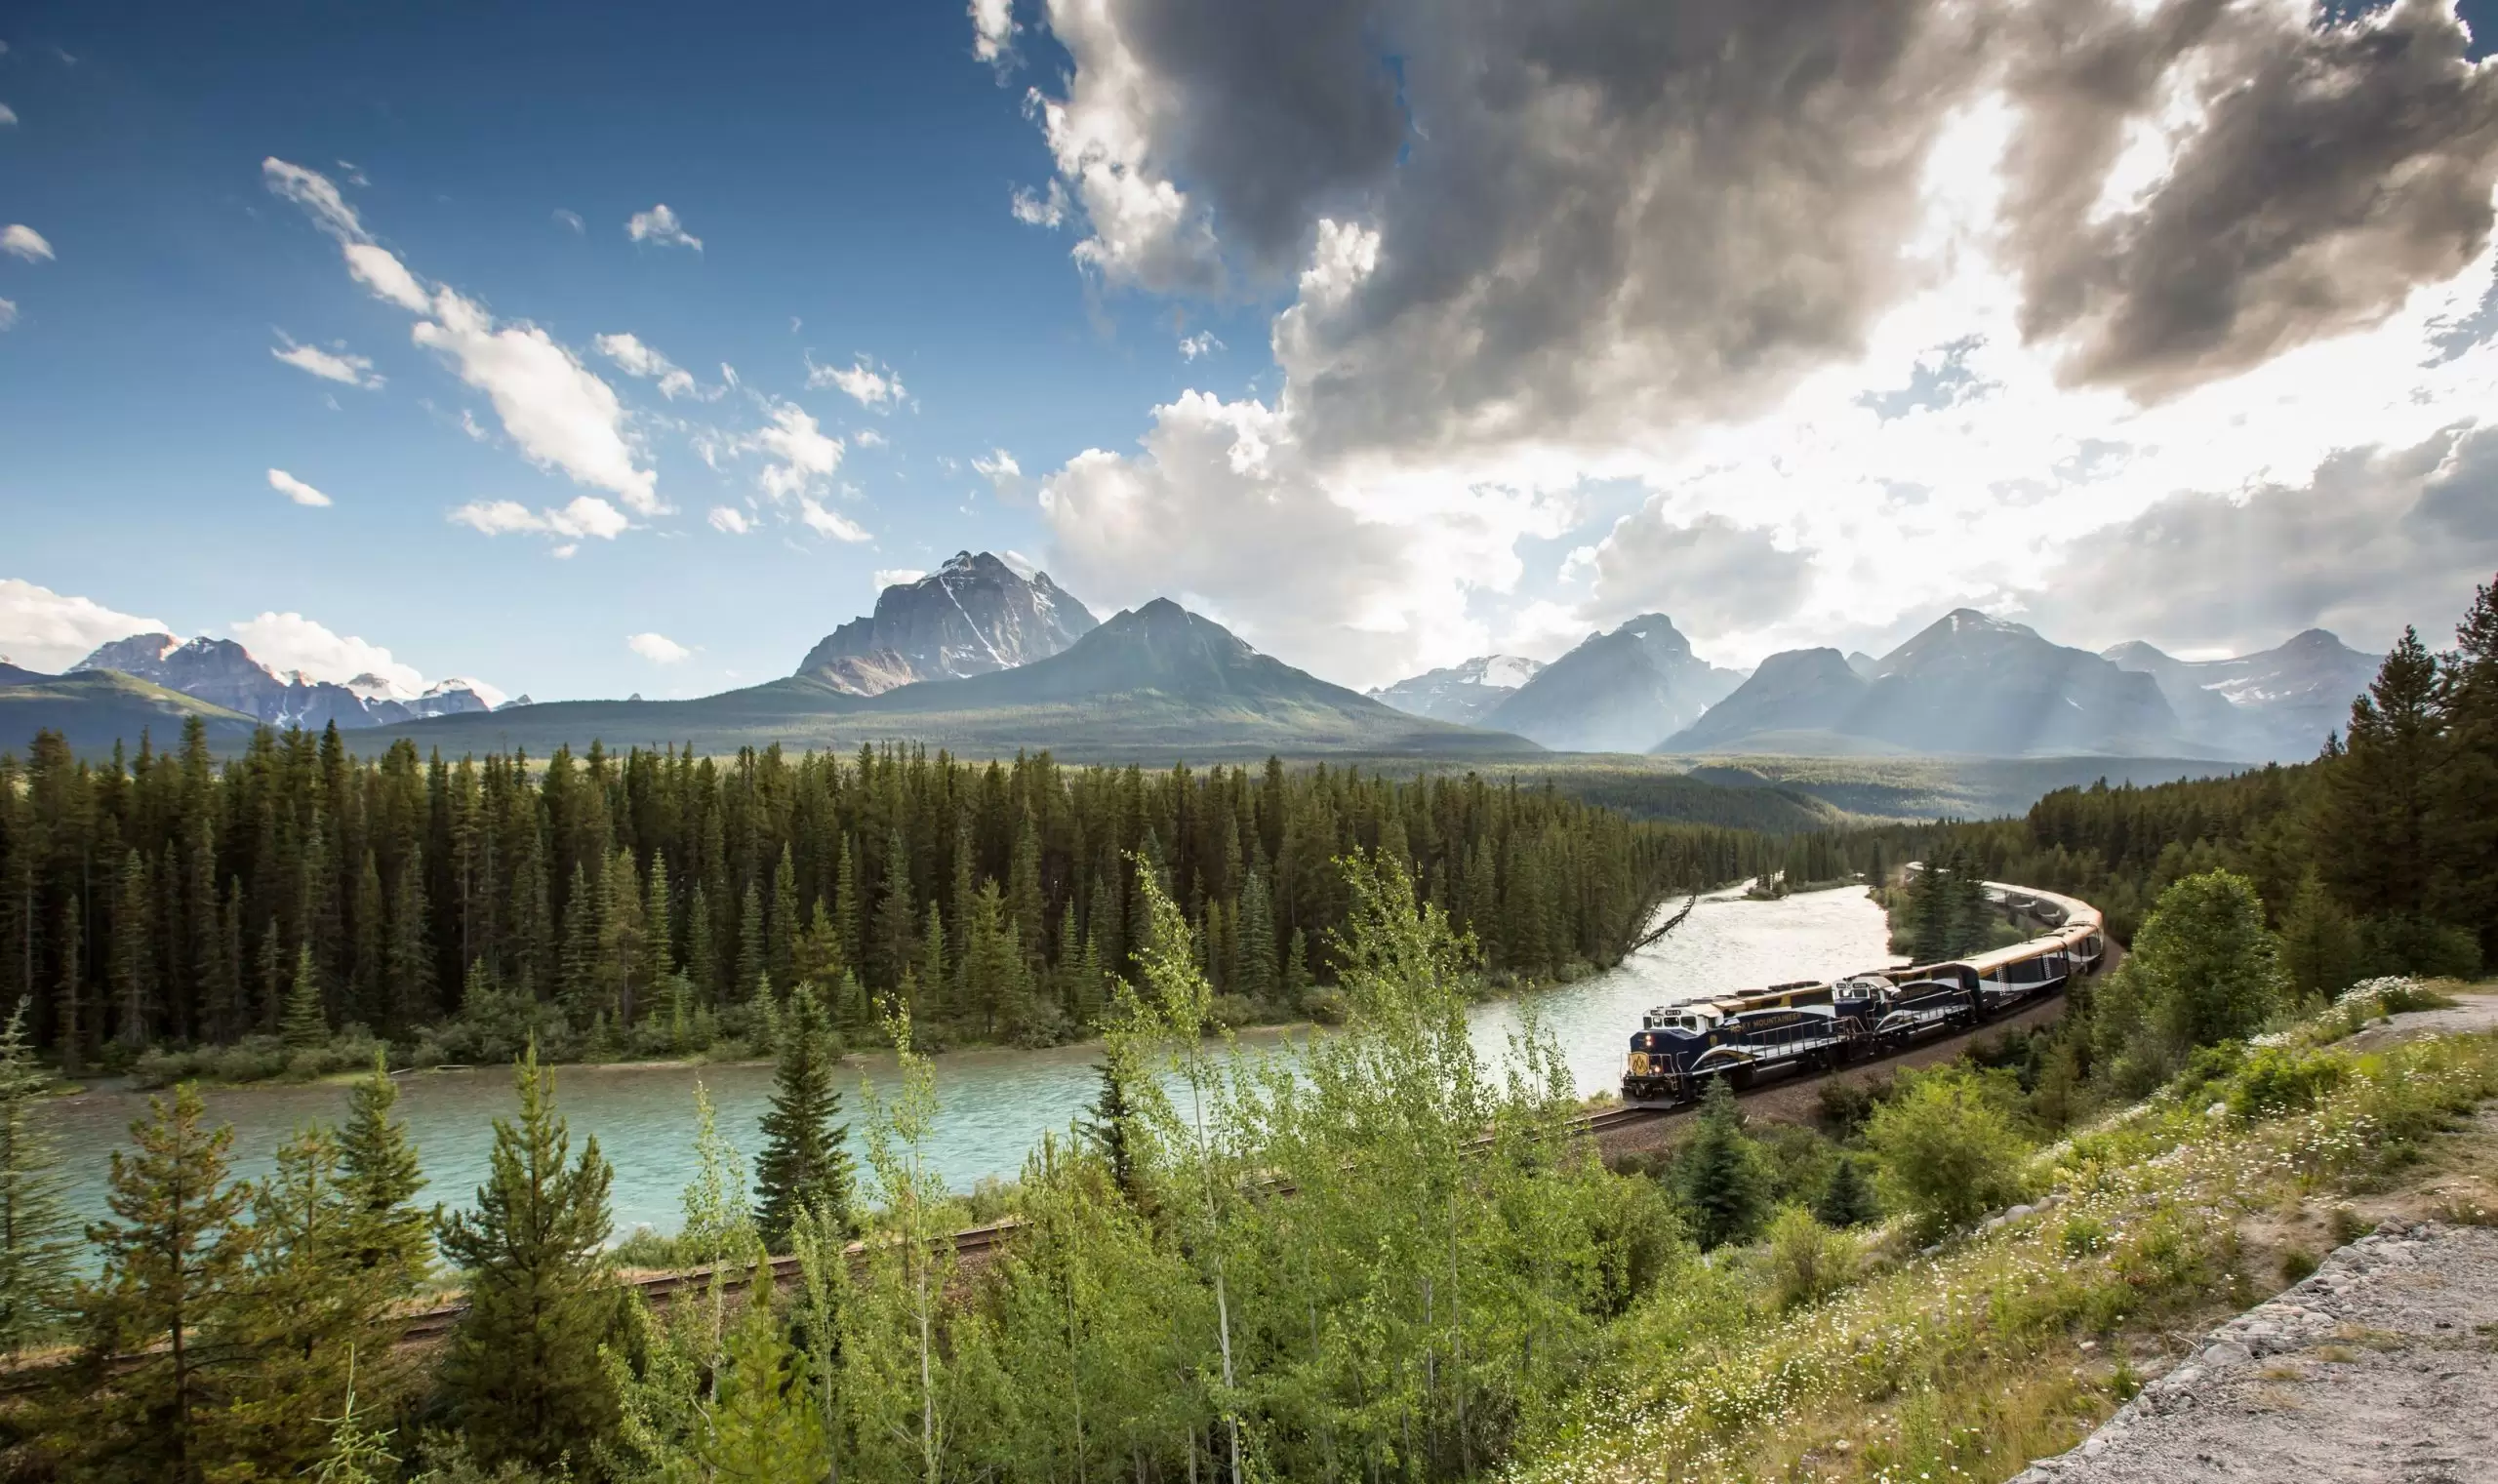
x=1969 y=1361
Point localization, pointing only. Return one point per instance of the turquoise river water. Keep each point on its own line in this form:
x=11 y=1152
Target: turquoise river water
x=995 y=1104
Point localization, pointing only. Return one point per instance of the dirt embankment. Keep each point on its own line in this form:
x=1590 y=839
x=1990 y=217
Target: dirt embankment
x=2380 y=1366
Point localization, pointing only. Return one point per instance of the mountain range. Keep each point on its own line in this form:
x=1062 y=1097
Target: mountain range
x=1461 y=692
x=1618 y=692
x=988 y=657
x=974 y=616
x=223 y=673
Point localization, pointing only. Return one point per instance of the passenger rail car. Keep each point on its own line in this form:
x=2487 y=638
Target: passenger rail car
x=1813 y=1024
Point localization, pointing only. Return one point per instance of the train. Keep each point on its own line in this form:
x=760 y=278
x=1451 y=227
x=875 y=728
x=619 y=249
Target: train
x=1815 y=1024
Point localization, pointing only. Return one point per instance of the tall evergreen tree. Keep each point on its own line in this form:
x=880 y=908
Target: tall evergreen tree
x=170 y=1259
x=303 y=1024
x=1719 y=1175
x=378 y=1178
x=805 y=1163
x=1847 y=1200
x=522 y=1372
x=134 y=950
x=35 y=1248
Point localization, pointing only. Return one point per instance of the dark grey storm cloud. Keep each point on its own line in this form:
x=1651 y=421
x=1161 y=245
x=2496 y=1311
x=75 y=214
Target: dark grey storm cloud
x=2376 y=538
x=2334 y=168
x=1598 y=216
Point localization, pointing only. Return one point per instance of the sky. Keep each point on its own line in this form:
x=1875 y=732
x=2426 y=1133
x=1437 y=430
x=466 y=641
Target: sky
x=594 y=350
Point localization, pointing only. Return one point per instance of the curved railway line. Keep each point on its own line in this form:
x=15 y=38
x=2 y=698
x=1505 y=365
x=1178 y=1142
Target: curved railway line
x=1613 y=1128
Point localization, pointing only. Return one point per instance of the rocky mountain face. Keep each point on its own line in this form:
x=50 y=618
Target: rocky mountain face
x=1965 y=684
x=2277 y=704
x=223 y=673
x=973 y=616
x=1463 y=693
x=1622 y=692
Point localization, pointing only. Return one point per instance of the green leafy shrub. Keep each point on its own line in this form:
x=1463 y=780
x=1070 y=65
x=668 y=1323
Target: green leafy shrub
x=1806 y=1260
x=1949 y=1155
x=2276 y=1080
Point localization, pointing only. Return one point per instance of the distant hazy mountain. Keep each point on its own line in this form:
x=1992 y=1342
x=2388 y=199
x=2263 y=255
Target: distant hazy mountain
x=1863 y=663
x=223 y=673
x=1965 y=684
x=96 y=708
x=19 y=674
x=1622 y=692
x=2275 y=705
x=1148 y=685
x=1463 y=693
x=973 y=616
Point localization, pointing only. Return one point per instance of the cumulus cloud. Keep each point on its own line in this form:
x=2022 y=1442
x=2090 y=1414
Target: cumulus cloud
x=329 y=365
x=2374 y=538
x=658 y=226
x=555 y=411
x=47 y=630
x=658 y=649
x=878 y=390
x=296 y=489
x=20 y=240
x=290 y=641
x=1201 y=343
x=994 y=31
x=1843 y=288
x=586 y=515
x=799 y=454
x=636 y=359
x=729 y=519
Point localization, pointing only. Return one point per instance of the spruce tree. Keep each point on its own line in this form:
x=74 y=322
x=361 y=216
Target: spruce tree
x=35 y=1248
x=304 y=1023
x=1847 y=1200
x=805 y=1163
x=522 y=1373
x=170 y=1260
x=753 y=968
x=2319 y=947
x=1930 y=913
x=1718 y=1173
x=378 y=1178
x=1108 y=1130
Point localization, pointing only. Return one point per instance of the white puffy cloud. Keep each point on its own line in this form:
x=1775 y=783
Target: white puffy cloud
x=296 y=489
x=731 y=519
x=636 y=359
x=586 y=515
x=45 y=630
x=799 y=456
x=658 y=649
x=20 y=240
x=1201 y=343
x=555 y=411
x=1043 y=209
x=290 y=641
x=659 y=225
x=329 y=365
x=862 y=382
x=1004 y=475
x=994 y=31
x=831 y=524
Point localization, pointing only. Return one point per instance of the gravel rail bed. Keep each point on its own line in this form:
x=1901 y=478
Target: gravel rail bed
x=2380 y=1366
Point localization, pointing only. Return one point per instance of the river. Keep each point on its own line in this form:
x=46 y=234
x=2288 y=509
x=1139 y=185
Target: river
x=995 y=1104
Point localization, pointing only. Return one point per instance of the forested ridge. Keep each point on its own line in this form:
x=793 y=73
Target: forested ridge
x=613 y=904
x=2378 y=857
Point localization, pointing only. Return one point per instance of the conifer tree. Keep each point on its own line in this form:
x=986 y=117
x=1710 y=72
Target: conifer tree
x=134 y=950
x=379 y=1177
x=701 y=958
x=1847 y=1200
x=1930 y=913
x=897 y=927
x=782 y=944
x=766 y=1425
x=1109 y=1129
x=522 y=1372
x=2319 y=946
x=1718 y=1173
x=170 y=1259
x=304 y=1023
x=35 y=1248
x=805 y=1163
x=753 y=967
x=69 y=1004
x=1257 y=950
x=932 y=977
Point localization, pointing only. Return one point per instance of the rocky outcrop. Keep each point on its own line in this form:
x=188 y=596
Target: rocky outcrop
x=972 y=617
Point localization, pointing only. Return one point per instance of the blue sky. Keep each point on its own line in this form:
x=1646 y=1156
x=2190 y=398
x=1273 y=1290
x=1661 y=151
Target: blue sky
x=1491 y=355
x=845 y=167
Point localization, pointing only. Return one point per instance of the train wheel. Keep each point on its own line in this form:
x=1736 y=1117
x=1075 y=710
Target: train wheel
x=1740 y=1078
